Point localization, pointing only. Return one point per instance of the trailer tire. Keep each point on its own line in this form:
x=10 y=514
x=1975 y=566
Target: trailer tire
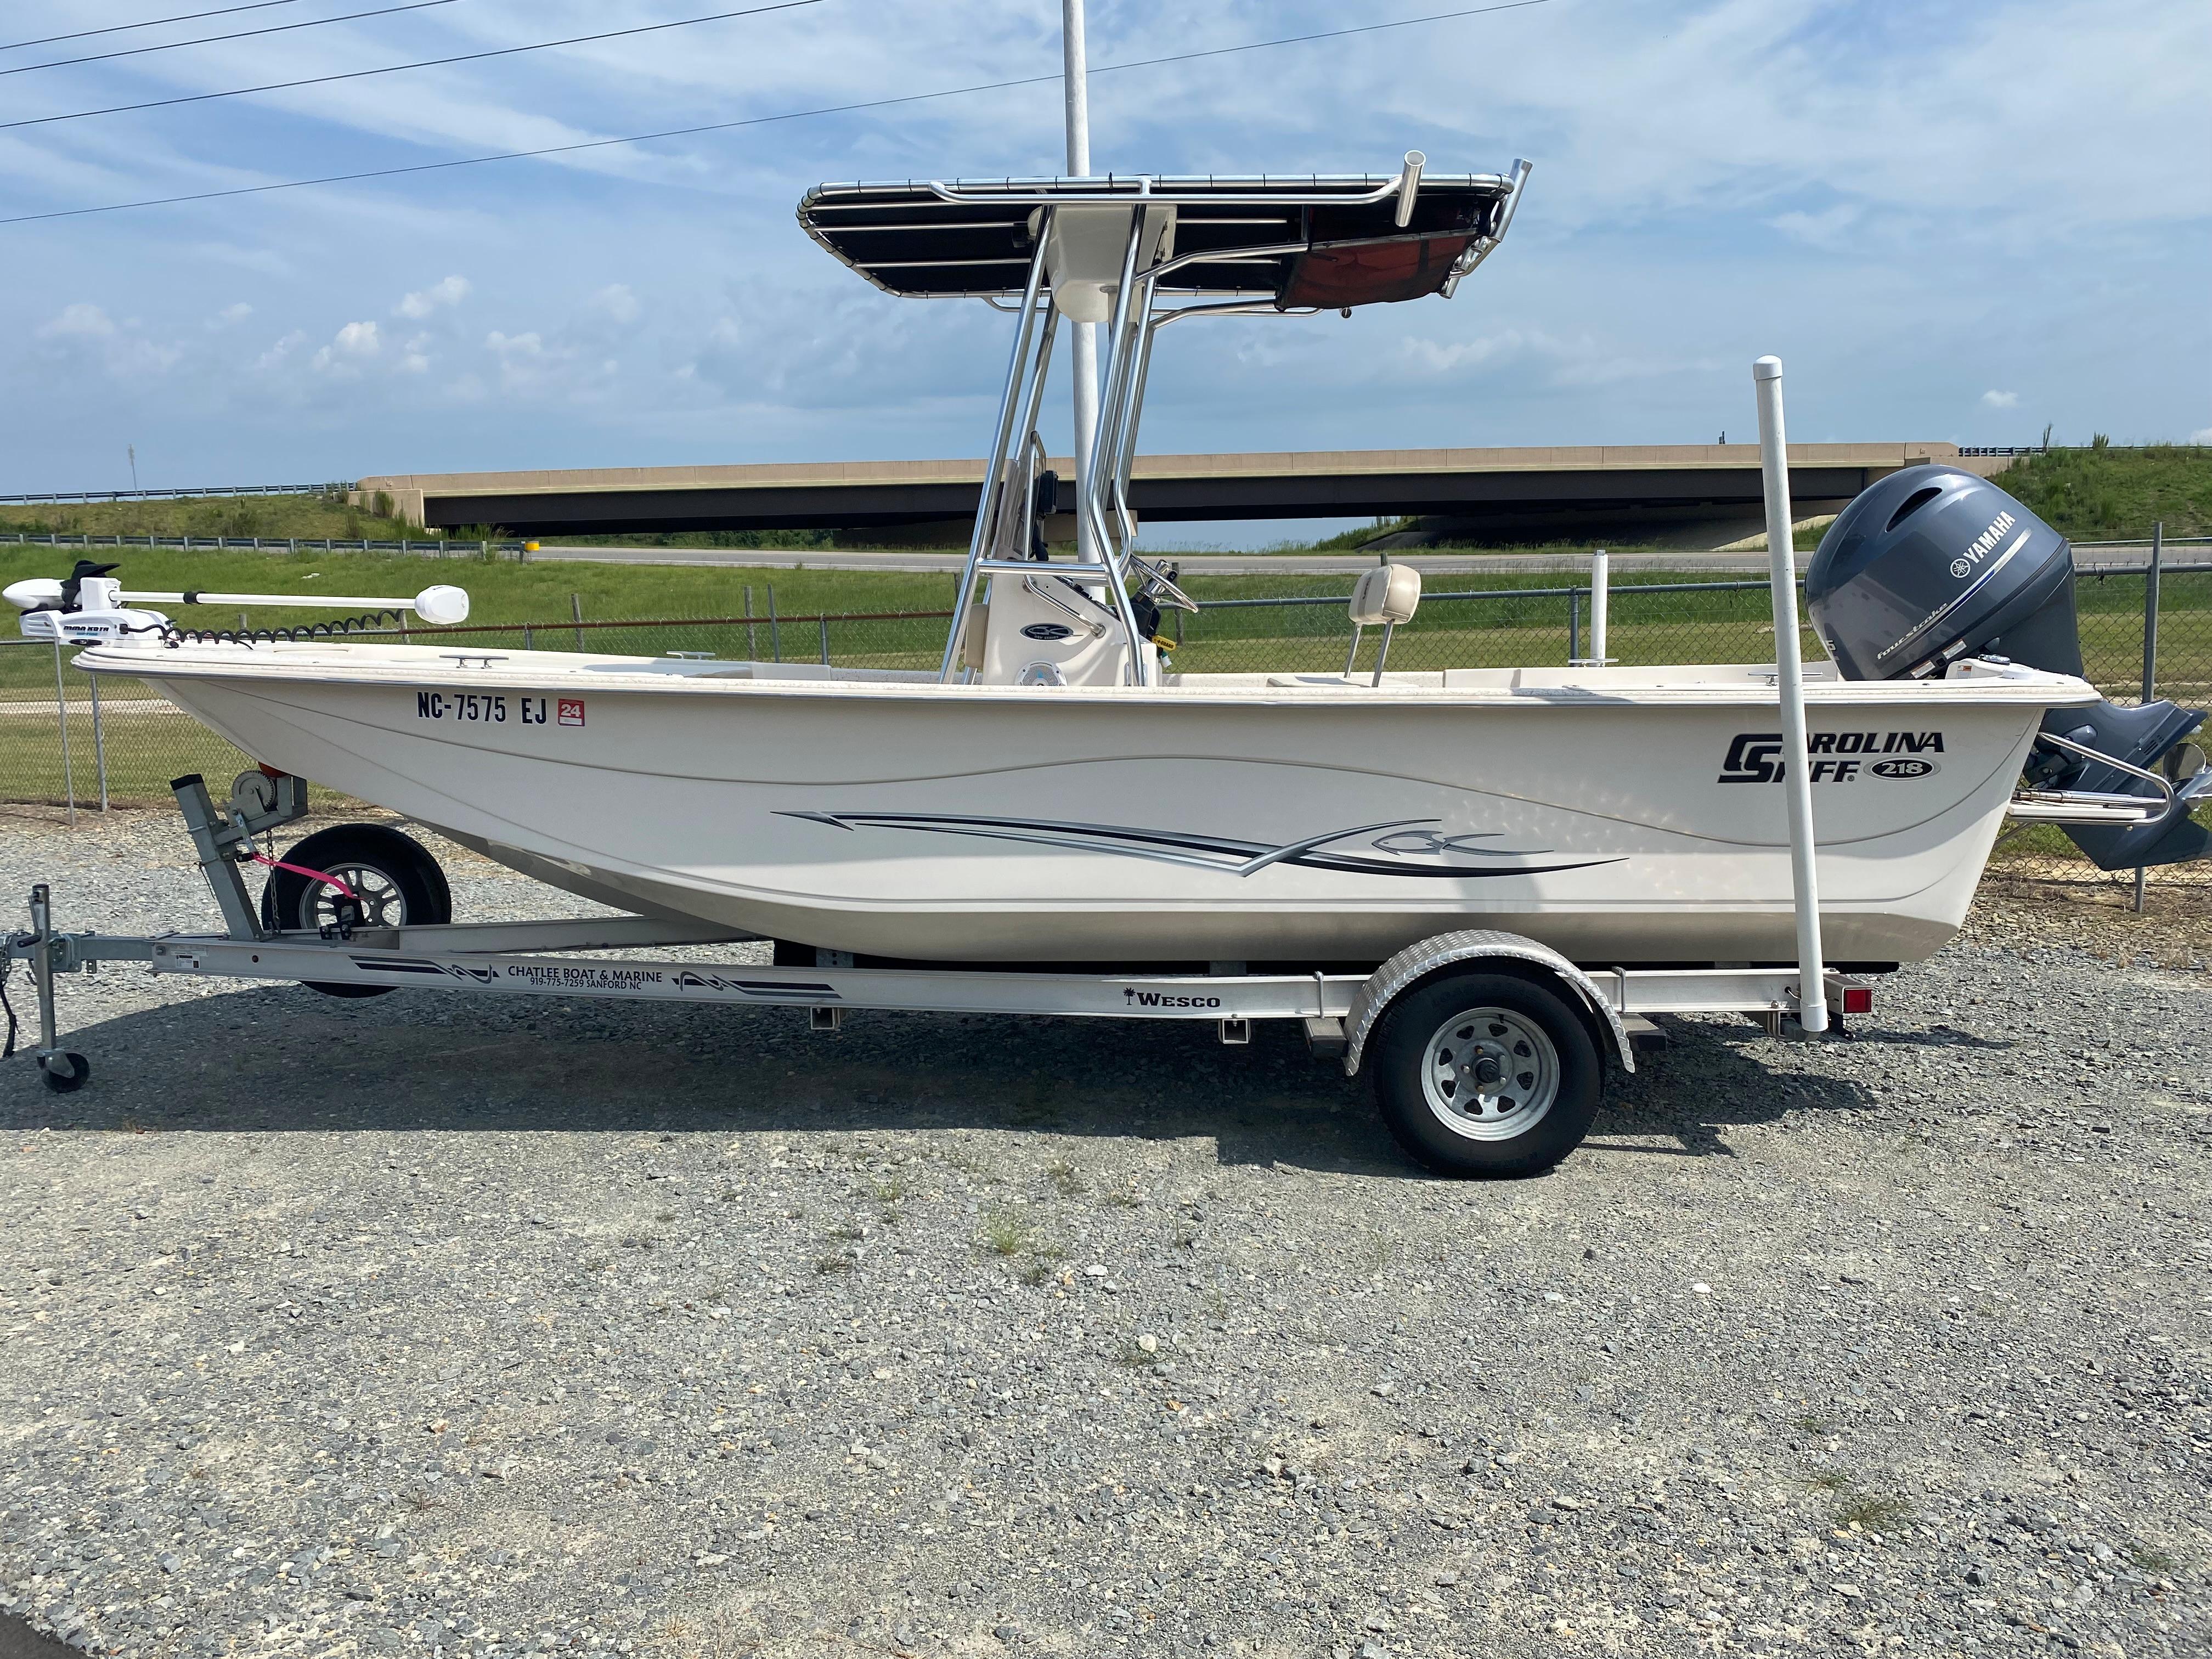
x=394 y=872
x=1487 y=1075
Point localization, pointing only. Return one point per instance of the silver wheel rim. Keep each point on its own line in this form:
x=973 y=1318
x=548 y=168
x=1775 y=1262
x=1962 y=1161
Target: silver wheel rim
x=382 y=903
x=1490 y=1074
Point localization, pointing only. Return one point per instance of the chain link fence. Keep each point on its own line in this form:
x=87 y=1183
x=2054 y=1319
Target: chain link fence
x=67 y=742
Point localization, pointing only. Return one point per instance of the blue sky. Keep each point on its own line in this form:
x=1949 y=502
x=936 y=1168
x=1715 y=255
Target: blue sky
x=1953 y=221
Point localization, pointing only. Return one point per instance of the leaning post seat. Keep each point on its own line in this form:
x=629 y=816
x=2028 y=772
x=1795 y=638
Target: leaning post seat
x=1386 y=596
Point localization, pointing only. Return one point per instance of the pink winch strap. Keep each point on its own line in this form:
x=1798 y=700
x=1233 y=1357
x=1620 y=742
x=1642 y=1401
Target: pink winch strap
x=312 y=875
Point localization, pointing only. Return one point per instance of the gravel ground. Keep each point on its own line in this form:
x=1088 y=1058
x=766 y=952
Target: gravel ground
x=394 y=1325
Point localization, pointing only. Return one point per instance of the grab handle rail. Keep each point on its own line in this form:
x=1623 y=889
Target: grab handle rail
x=2092 y=805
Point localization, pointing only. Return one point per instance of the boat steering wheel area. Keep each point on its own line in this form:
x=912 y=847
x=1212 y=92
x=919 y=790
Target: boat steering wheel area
x=1137 y=252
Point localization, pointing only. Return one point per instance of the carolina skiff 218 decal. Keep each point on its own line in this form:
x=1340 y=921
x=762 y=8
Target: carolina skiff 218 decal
x=1756 y=756
x=1410 y=844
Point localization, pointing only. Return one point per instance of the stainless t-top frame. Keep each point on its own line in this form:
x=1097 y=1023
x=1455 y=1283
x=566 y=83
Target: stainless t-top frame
x=1003 y=517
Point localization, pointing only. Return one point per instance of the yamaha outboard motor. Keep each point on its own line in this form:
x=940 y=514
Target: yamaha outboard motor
x=1931 y=564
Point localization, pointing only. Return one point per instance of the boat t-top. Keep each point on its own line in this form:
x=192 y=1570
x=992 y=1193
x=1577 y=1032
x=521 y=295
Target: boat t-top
x=1057 y=798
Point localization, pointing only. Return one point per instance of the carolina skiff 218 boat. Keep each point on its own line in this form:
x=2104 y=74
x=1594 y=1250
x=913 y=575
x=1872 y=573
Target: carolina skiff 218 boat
x=1058 y=792
x=1485 y=880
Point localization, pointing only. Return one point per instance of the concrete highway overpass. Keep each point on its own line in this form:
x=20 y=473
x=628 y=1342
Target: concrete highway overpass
x=1536 y=494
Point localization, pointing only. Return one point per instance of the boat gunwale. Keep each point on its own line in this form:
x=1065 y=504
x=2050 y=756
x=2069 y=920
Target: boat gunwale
x=2011 y=691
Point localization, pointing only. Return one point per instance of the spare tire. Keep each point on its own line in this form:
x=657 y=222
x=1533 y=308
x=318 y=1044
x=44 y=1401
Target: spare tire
x=397 y=881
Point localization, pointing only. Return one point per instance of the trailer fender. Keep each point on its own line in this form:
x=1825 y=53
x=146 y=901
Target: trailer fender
x=1424 y=961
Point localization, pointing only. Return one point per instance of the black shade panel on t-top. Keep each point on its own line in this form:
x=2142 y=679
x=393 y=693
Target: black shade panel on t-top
x=907 y=240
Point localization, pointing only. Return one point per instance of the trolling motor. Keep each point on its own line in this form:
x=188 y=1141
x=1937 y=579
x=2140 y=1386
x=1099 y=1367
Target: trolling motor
x=1932 y=564
x=89 y=605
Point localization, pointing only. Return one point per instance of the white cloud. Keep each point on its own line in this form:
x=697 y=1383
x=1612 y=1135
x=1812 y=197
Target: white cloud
x=82 y=321
x=525 y=363
x=230 y=316
x=619 y=301
x=1824 y=229
x=2001 y=399
x=1584 y=362
x=421 y=304
x=1443 y=357
x=84 y=336
x=2202 y=435
x=280 y=355
x=353 y=345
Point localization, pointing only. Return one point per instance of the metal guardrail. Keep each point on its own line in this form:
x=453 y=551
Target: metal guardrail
x=2145 y=541
x=2045 y=449
x=442 y=547
x=335 y=486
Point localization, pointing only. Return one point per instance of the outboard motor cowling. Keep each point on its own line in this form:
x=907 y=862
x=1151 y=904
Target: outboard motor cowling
x=1933 y=564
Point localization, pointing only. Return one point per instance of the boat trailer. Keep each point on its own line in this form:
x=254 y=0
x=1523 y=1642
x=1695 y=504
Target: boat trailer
x=1341 y=1015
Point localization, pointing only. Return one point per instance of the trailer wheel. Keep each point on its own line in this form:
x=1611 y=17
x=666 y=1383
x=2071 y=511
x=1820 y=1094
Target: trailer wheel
x=66 y=1074
x=397 y=880
x=1487 y=1075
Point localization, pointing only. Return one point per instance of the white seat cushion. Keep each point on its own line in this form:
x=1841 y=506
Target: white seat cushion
x=1388 y=593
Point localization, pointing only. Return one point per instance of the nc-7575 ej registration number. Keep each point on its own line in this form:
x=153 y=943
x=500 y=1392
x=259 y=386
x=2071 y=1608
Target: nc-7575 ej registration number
x=490 y=708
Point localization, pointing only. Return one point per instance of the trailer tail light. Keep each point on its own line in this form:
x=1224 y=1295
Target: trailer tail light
x=1858 y=998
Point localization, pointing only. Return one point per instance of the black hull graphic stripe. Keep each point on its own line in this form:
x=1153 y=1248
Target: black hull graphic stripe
x=1240 y=857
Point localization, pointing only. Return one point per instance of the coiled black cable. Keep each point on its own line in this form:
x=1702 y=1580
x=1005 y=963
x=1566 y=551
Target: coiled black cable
x=305 y=632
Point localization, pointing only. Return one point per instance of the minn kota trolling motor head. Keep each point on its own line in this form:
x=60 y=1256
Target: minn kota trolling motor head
x=1931 y=564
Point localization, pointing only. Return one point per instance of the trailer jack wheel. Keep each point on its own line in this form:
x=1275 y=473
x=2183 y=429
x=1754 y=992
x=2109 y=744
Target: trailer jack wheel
x=65 y=1074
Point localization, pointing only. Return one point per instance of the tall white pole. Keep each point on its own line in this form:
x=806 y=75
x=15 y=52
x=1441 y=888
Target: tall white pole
x=1601 y=596
x=1075 y=77
x=1789 y=682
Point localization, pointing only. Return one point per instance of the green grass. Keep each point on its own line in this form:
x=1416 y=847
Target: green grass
x=2101 y=493
x=1064 y=1178
x=500 y=590
x=1867 y=1510
x=1871 y=1512
x=232 y=515
x=1004 y=1233
x=2149 y=1559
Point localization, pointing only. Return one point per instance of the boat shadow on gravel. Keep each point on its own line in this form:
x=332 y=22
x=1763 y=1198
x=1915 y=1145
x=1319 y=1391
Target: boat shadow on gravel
x=274 y=1059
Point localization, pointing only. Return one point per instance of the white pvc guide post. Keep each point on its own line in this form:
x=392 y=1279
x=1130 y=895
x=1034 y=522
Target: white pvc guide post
x=1789 y=683
x=1600 y=566
x=1075 y=81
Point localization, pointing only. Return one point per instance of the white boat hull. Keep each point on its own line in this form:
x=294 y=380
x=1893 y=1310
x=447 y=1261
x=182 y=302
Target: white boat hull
x=1230 y=820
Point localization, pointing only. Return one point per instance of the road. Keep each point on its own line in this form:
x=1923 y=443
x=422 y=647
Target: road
x=1192 y=564
x=2117 y=556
